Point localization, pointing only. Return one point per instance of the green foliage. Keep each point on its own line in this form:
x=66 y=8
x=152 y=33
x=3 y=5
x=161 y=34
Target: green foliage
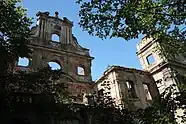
x=39 y=90
x=14 y=33
x=104 y=110
x=164 y=110
x=161 y=19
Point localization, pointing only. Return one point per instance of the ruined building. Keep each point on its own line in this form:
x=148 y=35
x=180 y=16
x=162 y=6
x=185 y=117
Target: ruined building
x=52 y=42
x=165 y=71
x=131 y=88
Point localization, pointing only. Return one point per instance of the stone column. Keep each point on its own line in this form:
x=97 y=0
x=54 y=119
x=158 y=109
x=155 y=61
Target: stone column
x=67 y=35
x=70 y=34
x=64 y=35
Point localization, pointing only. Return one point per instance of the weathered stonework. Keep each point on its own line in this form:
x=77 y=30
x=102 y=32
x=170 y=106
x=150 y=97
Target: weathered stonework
x=116 y=77
x=165 y=71
x=66 y=52
x=70 y=55
x=130 y=88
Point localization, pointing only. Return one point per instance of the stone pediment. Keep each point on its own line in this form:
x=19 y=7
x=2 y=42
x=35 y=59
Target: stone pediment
x=61 y=28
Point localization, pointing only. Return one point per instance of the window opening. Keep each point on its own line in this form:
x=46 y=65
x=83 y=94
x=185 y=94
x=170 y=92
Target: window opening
x=80 y=71
x=147 y=92
x=150 y=59
x=100 y=93
x=131 y=89
x=38 y=21
x=55 y=38
x=23 y=62
x=54 y=66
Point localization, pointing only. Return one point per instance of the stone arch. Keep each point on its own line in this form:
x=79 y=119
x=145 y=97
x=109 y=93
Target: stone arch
x=55 y=37
x=55 y=65
x=23 y=61
x=81 y=70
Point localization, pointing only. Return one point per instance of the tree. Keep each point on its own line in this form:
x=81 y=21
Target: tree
x=163 y=20
x=14 y=34
x=38 y=90
x=21 y=90
x=103 y=109
x=164 y=110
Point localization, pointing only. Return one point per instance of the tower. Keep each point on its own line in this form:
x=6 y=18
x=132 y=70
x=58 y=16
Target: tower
x=52 y=42
x=165 y=71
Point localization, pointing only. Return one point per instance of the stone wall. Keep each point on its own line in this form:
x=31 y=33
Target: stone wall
x=117 y=77
x=63 y=50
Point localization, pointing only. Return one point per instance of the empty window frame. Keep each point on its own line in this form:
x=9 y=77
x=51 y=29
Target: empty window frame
x=55 y=37
x=131 y=89
x=54 y=66
x=23 y=62
x=150 y=59
x=147 y=92
x=80 y=71
x=100 y=93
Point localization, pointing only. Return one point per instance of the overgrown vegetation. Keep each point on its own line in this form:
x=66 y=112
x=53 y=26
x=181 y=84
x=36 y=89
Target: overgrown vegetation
x=14 y=33
x=162 y=20
x=39 y=90
x=19 y=91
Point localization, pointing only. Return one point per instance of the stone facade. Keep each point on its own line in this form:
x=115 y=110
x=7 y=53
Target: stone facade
x=70 y=56
x=130 y=88
x=64 y=51
x=74 y=60
x=165 y=71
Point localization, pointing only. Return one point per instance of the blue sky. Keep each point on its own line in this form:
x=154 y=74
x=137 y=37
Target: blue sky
x=114 y=51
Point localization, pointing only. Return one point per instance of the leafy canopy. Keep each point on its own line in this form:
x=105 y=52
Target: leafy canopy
x=22 y=90
x=14 y=32
x=161 y=19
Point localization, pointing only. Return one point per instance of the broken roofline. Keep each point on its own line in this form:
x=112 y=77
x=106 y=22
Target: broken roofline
x=116 y=67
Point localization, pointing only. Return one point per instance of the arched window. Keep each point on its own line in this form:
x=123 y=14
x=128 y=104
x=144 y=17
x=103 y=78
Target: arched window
x=55 y=38
x=80 y=70
x=54 y=66
x=23 y=62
